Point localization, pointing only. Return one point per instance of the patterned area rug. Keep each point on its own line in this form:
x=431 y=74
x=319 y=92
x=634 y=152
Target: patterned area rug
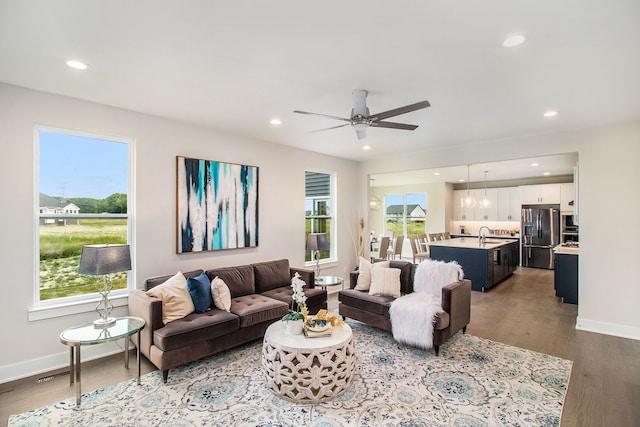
x=474 y=382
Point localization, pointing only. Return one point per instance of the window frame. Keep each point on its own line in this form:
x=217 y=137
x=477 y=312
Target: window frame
x=331 y=216
x=80 y=303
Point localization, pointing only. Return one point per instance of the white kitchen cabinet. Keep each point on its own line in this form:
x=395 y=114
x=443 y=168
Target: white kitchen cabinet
x=490 y=213
x=509 y=204
x=544 y=194
x=460 y=213
x=567 y=196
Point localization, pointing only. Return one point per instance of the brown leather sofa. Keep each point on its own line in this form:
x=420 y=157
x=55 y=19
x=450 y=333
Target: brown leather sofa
x=374 y=310
x=260 y=295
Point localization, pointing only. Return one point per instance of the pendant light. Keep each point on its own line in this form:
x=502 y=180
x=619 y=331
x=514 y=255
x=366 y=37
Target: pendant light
x=374 y=203
x=468 y=201
x=485 y=203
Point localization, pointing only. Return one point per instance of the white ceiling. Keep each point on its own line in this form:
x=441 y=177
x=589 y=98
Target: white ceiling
x=235 y=65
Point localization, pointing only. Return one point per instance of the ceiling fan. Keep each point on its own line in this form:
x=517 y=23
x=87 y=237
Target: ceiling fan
x=360 y=118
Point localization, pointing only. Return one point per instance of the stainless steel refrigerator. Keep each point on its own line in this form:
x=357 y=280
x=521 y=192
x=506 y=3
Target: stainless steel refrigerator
x=540 y=230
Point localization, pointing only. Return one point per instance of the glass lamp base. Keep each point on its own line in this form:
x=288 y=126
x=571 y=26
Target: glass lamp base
x=104 y=323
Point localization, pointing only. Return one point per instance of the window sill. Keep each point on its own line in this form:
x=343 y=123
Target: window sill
x=77 y=307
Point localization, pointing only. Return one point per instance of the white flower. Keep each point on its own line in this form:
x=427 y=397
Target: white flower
x=297 y=284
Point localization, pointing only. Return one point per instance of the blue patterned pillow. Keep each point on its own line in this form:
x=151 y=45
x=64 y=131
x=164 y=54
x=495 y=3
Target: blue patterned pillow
x=200 y=291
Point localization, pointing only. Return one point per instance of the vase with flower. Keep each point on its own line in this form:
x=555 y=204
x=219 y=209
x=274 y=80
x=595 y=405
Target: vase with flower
x=298 y=312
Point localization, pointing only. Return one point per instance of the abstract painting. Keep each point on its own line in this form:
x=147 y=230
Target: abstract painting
x=217 y=205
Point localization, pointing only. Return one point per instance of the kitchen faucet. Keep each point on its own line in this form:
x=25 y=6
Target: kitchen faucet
x=482 y=239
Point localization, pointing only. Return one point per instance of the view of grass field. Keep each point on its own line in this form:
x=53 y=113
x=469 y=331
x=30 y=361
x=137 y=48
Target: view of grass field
x=60 y=249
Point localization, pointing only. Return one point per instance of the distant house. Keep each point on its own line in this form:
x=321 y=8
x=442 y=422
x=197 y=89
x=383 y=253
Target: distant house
x=414 y=212
x=54 y=206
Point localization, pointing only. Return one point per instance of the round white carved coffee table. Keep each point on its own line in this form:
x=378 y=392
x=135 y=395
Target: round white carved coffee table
x=308 y=370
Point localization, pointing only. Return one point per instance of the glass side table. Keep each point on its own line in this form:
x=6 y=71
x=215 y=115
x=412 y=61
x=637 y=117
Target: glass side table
x=88 y=334
x=325 y=281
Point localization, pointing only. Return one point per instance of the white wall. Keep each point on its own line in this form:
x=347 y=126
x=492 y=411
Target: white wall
x=30 y=347
x=609 y=180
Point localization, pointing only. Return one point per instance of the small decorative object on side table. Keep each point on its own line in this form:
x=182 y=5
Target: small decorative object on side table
x=88 y=334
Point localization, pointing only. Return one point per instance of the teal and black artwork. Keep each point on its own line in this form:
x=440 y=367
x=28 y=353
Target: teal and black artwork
x=217 y=205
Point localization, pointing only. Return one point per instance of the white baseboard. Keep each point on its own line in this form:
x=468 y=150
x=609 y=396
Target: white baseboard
x=56 y=361
x=606 y=328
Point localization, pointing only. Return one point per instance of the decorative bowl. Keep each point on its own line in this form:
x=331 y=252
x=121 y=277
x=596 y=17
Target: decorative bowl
x=317 y=325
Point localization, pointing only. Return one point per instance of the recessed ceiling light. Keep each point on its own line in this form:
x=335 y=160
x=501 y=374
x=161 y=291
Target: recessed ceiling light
x=535 y=164
x=437 y=173
x=514 y=40
x=550 y=114
x=461 y=180
x=366 y=147
x=77 y=64
x=276 y=122
x=547 y=173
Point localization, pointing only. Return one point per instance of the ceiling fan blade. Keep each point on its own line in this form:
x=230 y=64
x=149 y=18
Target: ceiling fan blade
x=400 y=110
x=332 y=127
x=361 y=133
x=393 y=125
x=323 y=115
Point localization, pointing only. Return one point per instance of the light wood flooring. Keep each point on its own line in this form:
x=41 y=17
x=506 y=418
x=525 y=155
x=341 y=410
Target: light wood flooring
x=604 y=389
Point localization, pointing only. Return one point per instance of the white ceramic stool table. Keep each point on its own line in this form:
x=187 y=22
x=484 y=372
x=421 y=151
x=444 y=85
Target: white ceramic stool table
x=308 y=370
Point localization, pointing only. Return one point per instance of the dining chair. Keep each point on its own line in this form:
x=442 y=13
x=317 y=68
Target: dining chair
x=434 y=237
x=415 y=250
x=446 y=235
x=396 y=251
x=383 y=248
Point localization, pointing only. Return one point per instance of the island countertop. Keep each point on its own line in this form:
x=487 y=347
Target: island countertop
x=472 y=243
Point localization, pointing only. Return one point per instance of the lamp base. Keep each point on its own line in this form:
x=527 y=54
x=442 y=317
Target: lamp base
x=104 y=323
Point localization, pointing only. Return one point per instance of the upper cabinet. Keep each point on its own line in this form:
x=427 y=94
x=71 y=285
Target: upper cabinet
x=545 y=194
x=460 y=213
x=486 y=213
x=567 y=198
x=509 y=204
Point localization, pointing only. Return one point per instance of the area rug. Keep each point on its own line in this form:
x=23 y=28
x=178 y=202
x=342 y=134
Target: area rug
x=474 y=382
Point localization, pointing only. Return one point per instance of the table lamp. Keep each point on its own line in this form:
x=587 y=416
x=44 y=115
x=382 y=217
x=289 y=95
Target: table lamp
x=317 y=242
x=104 y=260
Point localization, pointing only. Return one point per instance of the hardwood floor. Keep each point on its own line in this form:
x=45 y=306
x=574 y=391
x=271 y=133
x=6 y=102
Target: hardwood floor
x=604 y=389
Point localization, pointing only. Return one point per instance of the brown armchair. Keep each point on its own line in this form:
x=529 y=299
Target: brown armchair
x=374 y=310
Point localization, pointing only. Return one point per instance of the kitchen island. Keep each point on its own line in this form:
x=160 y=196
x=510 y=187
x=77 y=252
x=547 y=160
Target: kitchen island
x=484 y=264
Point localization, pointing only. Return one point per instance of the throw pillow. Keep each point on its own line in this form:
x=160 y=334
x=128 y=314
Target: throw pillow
x=364 y=273
x=176 y=301
x=200 y=291
x=221 y=294
x=385 y=281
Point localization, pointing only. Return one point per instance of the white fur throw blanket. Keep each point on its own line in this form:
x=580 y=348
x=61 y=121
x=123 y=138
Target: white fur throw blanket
x=412 y=315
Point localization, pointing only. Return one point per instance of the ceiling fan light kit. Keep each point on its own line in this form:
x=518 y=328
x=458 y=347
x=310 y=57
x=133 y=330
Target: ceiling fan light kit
x=361 y=120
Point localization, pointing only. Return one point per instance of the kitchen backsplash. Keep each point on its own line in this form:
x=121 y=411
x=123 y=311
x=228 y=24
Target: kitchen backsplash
x=498 y=228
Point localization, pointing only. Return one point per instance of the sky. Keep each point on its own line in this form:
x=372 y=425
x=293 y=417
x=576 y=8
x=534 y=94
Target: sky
x=412 y=199
x=77 y=166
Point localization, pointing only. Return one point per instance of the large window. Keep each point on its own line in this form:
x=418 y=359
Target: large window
x=405 y=214
x=83 y=199
x=319 y=209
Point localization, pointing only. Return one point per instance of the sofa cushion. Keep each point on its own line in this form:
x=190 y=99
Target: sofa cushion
x=200 y=291
x=362 y=300
x=364 y=276
x=385 y=281
x=220 y=294
x=240 y=279
x=195 y=328
x=255 y=308
x=271 y=275
x=442 y=321
x=176 y=301
x=316 y=297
